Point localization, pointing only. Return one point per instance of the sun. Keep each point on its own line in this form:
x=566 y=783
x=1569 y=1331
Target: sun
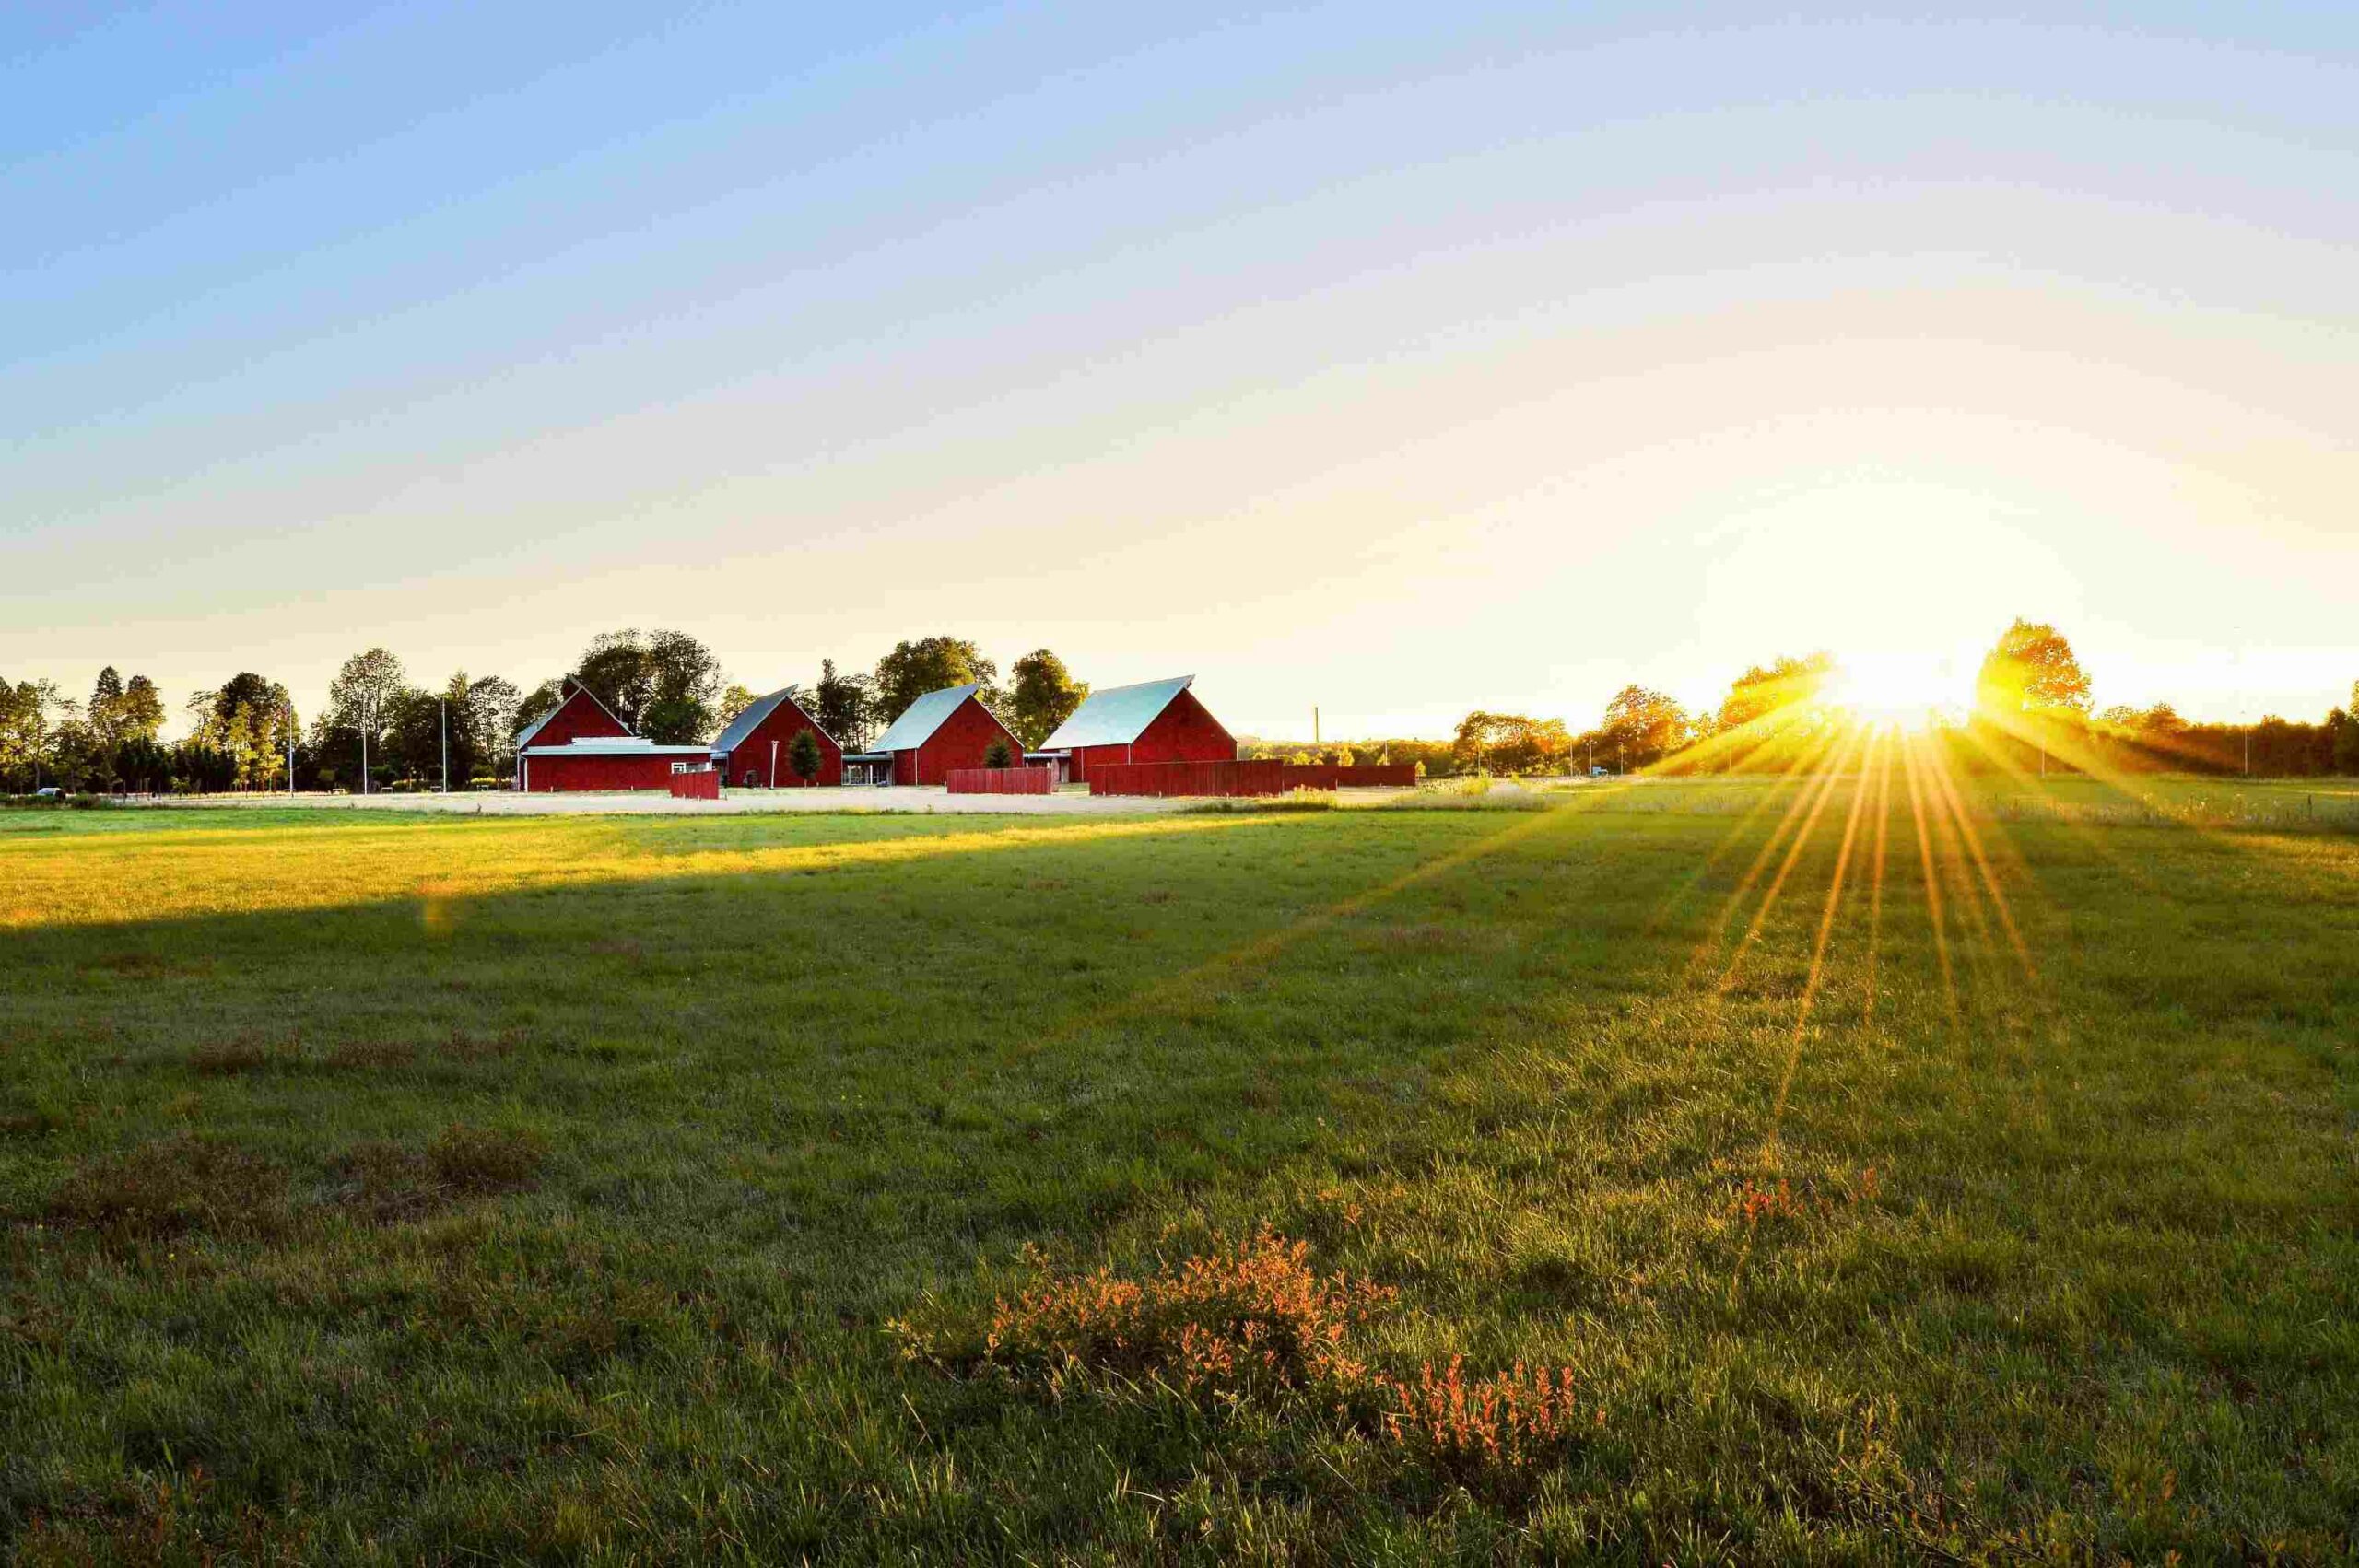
x=1903 y=691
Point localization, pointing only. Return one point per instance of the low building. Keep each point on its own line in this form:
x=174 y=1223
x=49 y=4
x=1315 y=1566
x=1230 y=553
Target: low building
x=607 y=761
x=941 y=729
x=1152 y=721
x=580 y=744
x=756 y=747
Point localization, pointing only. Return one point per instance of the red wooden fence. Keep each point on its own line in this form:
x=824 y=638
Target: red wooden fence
x=1000 y=780
x=1264 y=778
x=702 y=785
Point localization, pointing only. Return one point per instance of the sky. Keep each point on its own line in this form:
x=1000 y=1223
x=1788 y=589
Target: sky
x=1396 y=360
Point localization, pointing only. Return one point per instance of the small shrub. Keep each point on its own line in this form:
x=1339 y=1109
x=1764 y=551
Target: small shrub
x=997 y=754
x=170 y=1187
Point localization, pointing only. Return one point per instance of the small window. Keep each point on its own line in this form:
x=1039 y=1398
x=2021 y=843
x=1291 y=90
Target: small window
x=680 y=767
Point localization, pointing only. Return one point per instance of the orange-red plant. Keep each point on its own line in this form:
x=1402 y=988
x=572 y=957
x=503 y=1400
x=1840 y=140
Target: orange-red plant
x=1504 y=1421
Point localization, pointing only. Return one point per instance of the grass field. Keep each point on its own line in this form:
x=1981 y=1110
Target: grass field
x=1978 y=1181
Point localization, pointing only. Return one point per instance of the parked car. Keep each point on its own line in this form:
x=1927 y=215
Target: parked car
x=48 y=793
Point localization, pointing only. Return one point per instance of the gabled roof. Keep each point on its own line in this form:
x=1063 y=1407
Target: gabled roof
x=573 y=689
x=923 y=717
x=761 y=708
x=1118 y=715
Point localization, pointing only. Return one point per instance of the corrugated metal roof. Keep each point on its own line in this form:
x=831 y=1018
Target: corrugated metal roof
x=751 y=719
x=923 y=717
x=613 y=745
x=1118 y=715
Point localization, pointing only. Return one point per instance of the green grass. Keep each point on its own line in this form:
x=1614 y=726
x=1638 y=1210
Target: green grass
x=384 y=1189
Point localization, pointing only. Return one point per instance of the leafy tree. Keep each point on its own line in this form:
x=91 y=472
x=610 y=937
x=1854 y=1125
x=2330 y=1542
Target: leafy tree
x=491 y=705
x=1043 y=697
x=845 y=706
x=1509 y=743
x=360 y=695
x=1642 y=727
x=105 y=710
x=804 y=758
x=913 y=669
x=1764 y=690
x=139 y=712
x=665 y=685
x=996 y=755
x=2032 y=670
x=541 y=699
x=733 y=701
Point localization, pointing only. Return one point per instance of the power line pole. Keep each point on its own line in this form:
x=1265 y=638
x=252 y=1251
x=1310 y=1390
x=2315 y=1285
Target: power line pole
x=446 y=745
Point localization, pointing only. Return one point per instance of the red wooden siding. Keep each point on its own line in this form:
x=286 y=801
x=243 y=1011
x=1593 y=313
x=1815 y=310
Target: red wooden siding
x=961 y=742
x=1001 y=781
x=702 y=785
x=577 y=715
x=1184 y=731
x=610 y=770
x=1266 y=778
x=749 y=763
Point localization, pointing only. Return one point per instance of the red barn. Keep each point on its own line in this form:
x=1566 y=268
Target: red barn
x=940 y=731
x=753 y=749
x=580 y=744
x=1153 y=721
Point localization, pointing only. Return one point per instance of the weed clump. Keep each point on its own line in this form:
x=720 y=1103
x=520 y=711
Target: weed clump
x=387 y=1181
x=172 y=1186
x=1251 y=1323
x=1238 y=1318
x=225 y=1059
x=371 y=1054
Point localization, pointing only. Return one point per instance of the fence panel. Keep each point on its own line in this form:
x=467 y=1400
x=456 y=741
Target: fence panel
x=1259 y=777
x=1000 y=780
x=702 y=785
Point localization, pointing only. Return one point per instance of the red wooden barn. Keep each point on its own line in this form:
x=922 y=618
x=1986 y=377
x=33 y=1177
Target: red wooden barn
x=940 y=731
x=1152 y=721
x=580 y=744
x=753 y=750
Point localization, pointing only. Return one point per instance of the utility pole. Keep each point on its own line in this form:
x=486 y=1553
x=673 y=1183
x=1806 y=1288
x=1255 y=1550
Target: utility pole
x=1314 y=723
x=290 y=751
x=446 y=745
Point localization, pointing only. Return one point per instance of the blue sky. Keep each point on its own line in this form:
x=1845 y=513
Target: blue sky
x=1398 y=360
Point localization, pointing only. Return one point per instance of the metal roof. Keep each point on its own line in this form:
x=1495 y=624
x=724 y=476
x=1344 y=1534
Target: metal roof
x=1118 y=715
x=613 y=745
x=761 y=708
x=573 y=689
x=923 y=717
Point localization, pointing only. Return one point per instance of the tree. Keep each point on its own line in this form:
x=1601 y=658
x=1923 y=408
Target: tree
x=491 y=705
x=2032 y=670
x=733 y=701
x=104 y=713
x=1044 y=696
x=913 y=669
x=1784 y=683
x=359 y=695
x=804 y=757
x=139 y=712
x=1509 y=743
x=1642 y=727
x=665 y=685
x=845 y=706
x=996 y=755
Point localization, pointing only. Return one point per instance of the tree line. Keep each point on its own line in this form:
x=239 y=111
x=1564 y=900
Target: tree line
x=379 y=726
x=2031 y=711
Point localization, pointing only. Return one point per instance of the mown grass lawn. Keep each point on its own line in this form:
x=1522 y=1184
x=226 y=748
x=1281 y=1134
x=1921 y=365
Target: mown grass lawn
x=383 y=1189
